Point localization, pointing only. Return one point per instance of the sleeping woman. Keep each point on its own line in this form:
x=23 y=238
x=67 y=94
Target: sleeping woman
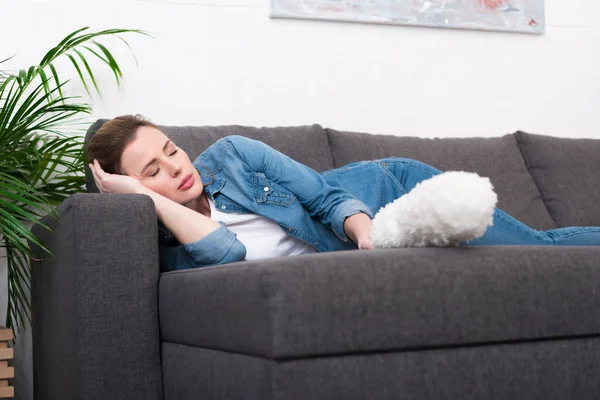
x=243 y=200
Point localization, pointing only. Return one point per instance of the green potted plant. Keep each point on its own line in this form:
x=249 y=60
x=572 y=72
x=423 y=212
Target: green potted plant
x=41 y=152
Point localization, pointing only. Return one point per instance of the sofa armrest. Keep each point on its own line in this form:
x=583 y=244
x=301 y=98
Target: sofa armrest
x=95 y=314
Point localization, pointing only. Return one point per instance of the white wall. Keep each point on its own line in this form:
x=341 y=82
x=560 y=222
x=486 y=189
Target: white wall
x=225 y=62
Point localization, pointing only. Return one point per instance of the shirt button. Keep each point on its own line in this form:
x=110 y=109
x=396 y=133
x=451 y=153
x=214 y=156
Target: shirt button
x=223 y=207
x=266 y=189
x=289 y=229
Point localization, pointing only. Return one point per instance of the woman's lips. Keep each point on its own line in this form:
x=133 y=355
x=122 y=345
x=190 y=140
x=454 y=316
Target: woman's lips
x=186 y=182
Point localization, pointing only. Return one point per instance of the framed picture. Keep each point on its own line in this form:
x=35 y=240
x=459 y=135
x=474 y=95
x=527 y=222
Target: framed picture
x=497 y=15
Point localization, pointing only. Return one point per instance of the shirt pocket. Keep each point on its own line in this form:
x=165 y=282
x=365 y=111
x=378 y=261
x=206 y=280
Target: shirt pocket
x=266 y=191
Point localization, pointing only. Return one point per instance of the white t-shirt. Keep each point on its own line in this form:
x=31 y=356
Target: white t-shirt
x=262 y=237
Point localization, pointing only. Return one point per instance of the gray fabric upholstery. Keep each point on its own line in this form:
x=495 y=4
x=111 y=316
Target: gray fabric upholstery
x=497 y=158
x=459 y=323
x=542 y=370
x=307 y=144
x=567 y=172
x=353 y=301
x=196 y=373
x=95 y=327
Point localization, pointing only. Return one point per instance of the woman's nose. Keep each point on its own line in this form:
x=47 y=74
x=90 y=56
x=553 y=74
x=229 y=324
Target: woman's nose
x=175 y=168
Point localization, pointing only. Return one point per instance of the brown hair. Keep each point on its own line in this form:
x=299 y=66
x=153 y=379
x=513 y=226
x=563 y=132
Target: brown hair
x=109 y=142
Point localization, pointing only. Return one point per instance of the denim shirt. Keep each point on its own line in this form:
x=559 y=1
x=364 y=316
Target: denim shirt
x=247 y=176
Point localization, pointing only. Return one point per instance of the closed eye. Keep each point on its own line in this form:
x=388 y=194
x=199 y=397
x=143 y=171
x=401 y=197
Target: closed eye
x=158 y=168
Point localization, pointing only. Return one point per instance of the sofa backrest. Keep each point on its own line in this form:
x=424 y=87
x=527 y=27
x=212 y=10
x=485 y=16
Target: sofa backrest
x=567 y=173
x=498 y=158
x=543 y=181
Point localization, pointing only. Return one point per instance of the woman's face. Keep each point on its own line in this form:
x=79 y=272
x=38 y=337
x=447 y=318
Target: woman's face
x=153 y=159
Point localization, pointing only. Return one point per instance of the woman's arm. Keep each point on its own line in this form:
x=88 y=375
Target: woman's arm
x=187 y=225
x=333 y=206
x=203 y=241
x=358 y=229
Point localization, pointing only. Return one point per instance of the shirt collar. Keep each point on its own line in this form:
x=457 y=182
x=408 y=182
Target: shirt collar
x=214 y=187
x=208 y=164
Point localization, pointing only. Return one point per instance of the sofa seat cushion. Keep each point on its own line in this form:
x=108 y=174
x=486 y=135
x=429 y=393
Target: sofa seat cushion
x=567 y=172
x=307 y=144
x=498 y=158
x=382 y=300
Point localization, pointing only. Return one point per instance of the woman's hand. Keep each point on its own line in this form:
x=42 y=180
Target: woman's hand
x=365 y=243
x=358 y=229
x=113 y=183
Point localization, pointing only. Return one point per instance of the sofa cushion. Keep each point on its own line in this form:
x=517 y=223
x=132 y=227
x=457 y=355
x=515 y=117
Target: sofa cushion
x=380 y=300
x=307 y=144
x=497 y=158
x=567 y=172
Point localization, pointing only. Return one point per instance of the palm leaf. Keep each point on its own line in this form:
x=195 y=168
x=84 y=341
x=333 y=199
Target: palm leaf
x=56 y=80
x=111 y=61
x=54 y=52
x=89 y=71
x=18 y=311
x=42 y=163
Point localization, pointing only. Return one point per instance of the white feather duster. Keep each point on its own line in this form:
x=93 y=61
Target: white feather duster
x=445 y=210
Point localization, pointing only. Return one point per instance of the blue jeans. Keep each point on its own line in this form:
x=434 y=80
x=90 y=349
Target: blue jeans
x=506 y=230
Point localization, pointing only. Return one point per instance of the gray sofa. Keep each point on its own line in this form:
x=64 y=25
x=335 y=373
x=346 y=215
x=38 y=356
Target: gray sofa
x=452 y=323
